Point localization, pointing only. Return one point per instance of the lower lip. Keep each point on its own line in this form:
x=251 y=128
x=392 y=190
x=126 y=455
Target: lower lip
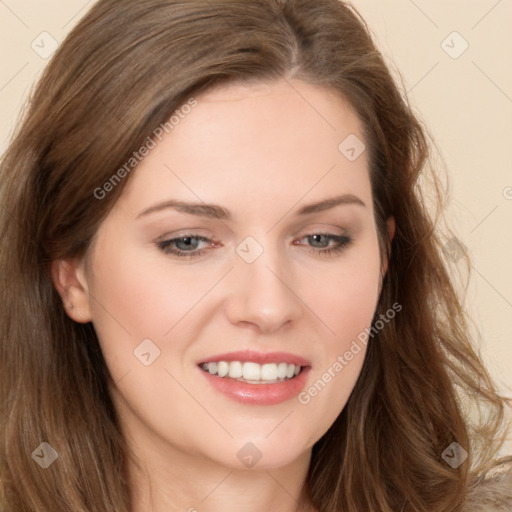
x=258 y=394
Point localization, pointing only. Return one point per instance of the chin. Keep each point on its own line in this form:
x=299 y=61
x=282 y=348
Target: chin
x=257 y=452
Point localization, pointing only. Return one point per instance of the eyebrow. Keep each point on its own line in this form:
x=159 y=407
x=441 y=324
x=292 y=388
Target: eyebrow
x=214 y=211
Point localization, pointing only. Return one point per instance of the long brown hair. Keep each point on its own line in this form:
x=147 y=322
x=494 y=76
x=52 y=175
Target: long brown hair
x=126 y=67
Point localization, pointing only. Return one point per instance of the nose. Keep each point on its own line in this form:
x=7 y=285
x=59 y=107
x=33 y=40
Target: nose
x=263 y=294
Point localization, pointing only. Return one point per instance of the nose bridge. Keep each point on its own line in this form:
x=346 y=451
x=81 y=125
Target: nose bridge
x=262 y=293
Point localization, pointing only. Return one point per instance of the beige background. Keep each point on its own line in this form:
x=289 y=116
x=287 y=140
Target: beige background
x=466 y=101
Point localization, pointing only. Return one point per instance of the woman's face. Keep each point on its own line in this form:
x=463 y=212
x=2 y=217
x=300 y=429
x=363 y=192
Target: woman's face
x=268 y=258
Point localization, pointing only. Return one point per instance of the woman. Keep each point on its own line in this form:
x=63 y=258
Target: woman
x=221 y=287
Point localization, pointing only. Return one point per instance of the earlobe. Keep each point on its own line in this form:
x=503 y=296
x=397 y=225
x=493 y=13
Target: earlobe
x=68 y=277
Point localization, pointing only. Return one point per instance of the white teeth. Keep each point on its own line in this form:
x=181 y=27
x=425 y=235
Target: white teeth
x=222 y=368
x=282 y=370
x=269 y=371
x=235 y=369
x=253 y=372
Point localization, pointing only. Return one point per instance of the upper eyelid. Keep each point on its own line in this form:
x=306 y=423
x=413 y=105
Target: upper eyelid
x=202 y=237
x=325 y=228
x=335 y=244
x=212 y=240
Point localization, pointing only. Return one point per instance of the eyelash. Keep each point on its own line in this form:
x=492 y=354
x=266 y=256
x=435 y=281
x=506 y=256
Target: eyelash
x=343 y=243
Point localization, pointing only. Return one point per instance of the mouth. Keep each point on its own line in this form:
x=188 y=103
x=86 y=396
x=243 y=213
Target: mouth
x=256 y=378
x=253 y=373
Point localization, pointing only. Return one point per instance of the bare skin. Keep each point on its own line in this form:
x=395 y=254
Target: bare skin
x=262 y=152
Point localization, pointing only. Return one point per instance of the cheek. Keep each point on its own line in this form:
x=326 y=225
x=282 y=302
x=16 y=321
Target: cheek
x=132 y=300
x=344 y=295
x=138 y=295
x=346 y=305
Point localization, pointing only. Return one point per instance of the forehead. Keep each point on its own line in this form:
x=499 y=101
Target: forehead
x=264 y=141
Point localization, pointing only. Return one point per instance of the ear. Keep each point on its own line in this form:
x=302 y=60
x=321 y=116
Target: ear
x=69 y=279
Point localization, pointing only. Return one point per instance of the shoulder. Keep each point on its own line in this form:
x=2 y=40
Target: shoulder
x=493 y=491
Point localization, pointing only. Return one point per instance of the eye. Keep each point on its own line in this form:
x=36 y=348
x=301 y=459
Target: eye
x=189 y=245
x=320 y=243
x=185 y=246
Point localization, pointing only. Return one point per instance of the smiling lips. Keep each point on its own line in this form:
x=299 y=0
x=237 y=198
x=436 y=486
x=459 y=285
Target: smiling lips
x=252 y=372
x=257 y=378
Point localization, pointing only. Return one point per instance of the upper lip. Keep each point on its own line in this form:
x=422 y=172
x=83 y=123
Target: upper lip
x=253 y=356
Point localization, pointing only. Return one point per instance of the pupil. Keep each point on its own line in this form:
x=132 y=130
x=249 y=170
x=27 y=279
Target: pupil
x=317 y=238
x=186 y=242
